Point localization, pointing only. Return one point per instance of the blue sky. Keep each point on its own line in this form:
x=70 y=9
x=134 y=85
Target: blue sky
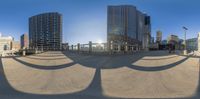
x=86 y=20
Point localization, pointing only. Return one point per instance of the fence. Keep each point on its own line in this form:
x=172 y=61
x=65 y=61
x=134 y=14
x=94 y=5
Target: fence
x=90 y=47
x=104 y=48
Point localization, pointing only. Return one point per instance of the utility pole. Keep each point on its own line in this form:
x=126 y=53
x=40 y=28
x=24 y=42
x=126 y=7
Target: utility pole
x=185 y=49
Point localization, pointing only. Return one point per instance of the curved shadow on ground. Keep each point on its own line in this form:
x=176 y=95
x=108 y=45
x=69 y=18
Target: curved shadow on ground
x=157 y=68
x=161 y=58
x=5 y=88
x=44 y=67
x=110 y=62
x=45 y=58
x=47 y=55
x=55 y=66
x=104 y=62
x=93 y=91
x=197 y=94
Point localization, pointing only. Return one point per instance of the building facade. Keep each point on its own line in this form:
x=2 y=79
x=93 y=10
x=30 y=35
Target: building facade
x=158 y=36
x=191 y=44
x=198 y=42
x=5 y=43
x=126 y=26
x=16 y=45
x=65 y=46
x=45 y=31
x=152 y=40
x=24 y=41
x=174 y=40
x=164 y=42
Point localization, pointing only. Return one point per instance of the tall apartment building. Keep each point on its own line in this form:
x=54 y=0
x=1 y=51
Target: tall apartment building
x=24 y=41
x=198 y=42
x=45 y=31
x=127 y=26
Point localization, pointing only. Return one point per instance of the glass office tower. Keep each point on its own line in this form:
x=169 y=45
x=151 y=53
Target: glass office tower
x=45 y=31
x=126 y=26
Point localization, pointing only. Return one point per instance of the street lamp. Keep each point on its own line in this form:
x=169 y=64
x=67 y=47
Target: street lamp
x=185 y=49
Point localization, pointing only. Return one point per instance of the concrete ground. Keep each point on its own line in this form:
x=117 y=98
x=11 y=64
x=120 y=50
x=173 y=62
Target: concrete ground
x=65 y=75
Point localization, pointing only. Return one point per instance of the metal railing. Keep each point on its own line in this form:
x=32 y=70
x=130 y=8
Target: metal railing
x=104 y=48
x=90 y=47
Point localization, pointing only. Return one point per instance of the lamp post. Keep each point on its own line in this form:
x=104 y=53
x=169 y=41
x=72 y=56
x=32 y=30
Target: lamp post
x=185 y=49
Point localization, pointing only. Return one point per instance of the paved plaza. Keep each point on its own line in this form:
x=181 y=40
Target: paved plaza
x=67 y=75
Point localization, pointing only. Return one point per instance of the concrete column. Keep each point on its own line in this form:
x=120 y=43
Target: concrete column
x=90 y=46
x=78 y=47
x=36 y=51
x=23 y=52
x=119 y=48
x=67 y=48
x=126 y=47
x=42 y=49
x=72 y=47
x=110 y=47
x=198 y=42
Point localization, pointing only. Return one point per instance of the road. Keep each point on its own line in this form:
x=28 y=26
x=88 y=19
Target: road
x=61 y=75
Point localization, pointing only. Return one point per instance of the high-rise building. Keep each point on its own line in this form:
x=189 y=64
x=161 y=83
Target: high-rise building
x=152 y=40
x=16 y=45
x=24 y=41
x=173 y=39
x=45 y=31
x=198 y=42
x=127 y=26
x=158 y=36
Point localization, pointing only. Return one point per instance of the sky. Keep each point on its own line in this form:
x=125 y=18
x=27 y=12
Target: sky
x=86 y=20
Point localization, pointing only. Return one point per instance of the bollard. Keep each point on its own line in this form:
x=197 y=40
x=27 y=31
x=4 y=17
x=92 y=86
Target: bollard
x=36 y=51
x=78 y=47
x=119 y=48
x=72 y=47
x=90 y=46
x=23 y=52
x=126 y=47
